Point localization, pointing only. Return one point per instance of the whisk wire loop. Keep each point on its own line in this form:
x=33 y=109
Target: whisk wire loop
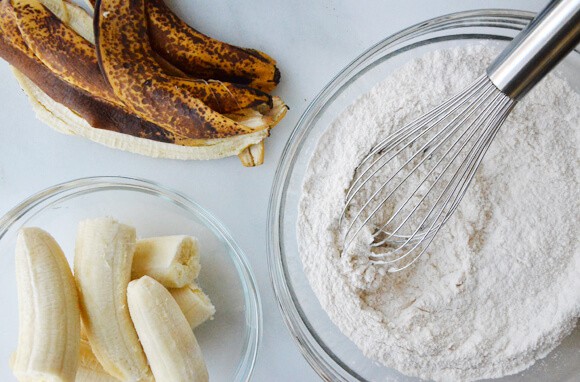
x=483 y=145
x=400 y=135
x=436 y=222
x=423 y=150
x=441 y=150
x=473 y=132
x=481 y=153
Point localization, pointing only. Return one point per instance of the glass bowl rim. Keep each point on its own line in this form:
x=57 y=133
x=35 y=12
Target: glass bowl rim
x=313 y=349
x=81 y=186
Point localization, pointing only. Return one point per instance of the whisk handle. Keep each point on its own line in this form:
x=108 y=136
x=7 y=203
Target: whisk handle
x=549 y=37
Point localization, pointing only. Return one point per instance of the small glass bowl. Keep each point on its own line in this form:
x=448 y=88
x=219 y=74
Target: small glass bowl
x=331 y=354
x=229 y=342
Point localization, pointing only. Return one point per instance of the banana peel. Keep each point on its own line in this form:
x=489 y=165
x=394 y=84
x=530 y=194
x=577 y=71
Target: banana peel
x=201 y=56
x=79 y=114
x=98 y=114
x=66 y=121
x=58 y=8
x=65 y=52
x=73 y=58
x=253 y=155
x=126 y=61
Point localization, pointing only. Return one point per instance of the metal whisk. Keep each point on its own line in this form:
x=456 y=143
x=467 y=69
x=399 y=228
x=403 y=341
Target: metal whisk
x=411 y=182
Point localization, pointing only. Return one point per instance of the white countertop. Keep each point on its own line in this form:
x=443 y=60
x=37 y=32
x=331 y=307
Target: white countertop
x=311 y=41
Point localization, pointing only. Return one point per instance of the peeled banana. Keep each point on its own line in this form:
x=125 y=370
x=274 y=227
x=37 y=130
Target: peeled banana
x=102 y=264
x=168 y=341
x=90 y=370
x=171 y=260
x=48 y=310
x=195 y=305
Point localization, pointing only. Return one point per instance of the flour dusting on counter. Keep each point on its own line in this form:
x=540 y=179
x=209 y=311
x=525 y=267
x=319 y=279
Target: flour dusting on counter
x=499 y=287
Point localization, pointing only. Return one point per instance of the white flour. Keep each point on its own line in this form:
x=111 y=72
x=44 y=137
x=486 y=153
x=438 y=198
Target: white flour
x=500 y=286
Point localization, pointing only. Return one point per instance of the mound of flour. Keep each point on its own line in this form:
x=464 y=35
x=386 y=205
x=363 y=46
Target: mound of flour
x=500 y=286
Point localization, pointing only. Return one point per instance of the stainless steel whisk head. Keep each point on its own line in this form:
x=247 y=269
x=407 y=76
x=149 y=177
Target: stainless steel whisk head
x=426 y=166
x=411 y=182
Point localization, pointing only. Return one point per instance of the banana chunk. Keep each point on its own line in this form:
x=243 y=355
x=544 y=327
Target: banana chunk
x=48 y=310
x=195 y=305
x=168 y=341
x=171 y=260
x=102 y=264
x=90 y=370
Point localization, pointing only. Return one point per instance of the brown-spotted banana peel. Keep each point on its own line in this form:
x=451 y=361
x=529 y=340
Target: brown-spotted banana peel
x=127 y=63
x=99 y=115
x=72 y=110
x=201 y=56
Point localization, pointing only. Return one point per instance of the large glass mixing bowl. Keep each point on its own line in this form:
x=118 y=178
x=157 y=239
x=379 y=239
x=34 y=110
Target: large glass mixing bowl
x=332 y=355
